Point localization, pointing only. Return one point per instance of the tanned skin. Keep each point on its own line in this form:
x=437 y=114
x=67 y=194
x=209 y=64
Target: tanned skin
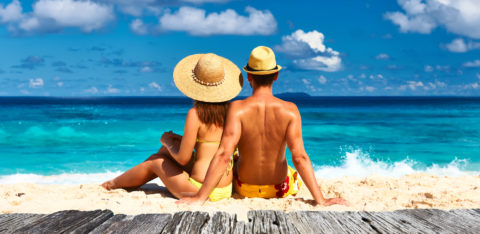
x=262 y=126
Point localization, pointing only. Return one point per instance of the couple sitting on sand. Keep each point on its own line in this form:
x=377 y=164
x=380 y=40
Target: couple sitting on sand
x=241 y=143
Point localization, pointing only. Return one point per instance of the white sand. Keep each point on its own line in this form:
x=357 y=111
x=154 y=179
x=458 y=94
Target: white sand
x=374 y=193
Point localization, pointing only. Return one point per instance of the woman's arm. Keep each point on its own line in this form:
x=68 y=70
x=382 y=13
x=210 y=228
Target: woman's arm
x=183 y=154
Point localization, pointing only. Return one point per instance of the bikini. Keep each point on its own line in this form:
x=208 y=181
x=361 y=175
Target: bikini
x=217 y=193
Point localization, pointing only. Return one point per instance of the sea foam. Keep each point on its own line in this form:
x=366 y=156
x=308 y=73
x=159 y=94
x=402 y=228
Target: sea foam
x=354 y=163
x=357 y=163
x=66 y=178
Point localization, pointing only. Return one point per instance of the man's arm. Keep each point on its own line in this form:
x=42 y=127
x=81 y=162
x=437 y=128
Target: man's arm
x=302 y=161
x=231 y=135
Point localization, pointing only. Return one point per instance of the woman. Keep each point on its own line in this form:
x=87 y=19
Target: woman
x=182 y=162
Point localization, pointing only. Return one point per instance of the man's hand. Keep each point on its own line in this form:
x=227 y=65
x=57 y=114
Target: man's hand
x=335 y=201
x=191 y=199
x=169 y=138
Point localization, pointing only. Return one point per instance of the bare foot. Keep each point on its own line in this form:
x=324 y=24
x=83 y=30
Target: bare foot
x=109 y=185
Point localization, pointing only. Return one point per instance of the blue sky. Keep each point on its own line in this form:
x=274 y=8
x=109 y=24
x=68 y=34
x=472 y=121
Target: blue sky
x=129 y=48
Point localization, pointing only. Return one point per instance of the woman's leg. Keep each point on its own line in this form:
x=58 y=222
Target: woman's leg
x=134 y=177
x=173 y=175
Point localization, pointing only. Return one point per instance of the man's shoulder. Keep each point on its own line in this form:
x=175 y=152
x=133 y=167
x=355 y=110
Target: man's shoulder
x=289 y=106
x=237 y=104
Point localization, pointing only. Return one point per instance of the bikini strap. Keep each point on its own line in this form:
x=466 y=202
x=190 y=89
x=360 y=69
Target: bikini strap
x=208 y=142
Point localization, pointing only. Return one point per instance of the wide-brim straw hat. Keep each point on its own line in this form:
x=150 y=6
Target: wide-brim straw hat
x=208 y=78
x=262 y=62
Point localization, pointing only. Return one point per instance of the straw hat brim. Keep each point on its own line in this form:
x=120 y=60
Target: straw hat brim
x=230 y=88
x=264 y=72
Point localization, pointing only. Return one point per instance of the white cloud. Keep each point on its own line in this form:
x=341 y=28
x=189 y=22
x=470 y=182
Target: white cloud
x=11 y=12
x=310 y=52
x=475 y=63
x=413 y=85
x=370 y=88
x=320 y=63
x=434 y=85
x=55 y=15
x=478 y=76
x=472 y=86
x=378 y=76
x=382 y=56
x=138 y=27
x=146 y=69
x=420 y=24
x=305 y=81
x=204 y=1
x=60 y=84
x=429 y=68
x=442 y=68
x=196 y=21
x=461 y=17
x=111 y=89
x=138 y=8
x=155 y=86
x=322 y=79
x=92 y=90
x=460 y=46
x=36 y=83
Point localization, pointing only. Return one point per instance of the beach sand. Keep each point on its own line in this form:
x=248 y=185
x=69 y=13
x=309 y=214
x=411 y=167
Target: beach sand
x=373 y=193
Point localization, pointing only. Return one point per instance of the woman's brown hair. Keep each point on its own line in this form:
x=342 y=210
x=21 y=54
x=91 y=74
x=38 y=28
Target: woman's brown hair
x=212 y=113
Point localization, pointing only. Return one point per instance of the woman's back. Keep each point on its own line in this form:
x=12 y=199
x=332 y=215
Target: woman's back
x=208 y=141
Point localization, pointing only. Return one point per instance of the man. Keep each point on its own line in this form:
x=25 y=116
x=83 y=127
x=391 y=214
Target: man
x=262 y=126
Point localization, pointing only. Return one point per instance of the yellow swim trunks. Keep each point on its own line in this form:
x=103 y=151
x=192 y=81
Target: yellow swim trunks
x=290 y=186
x=217 y=193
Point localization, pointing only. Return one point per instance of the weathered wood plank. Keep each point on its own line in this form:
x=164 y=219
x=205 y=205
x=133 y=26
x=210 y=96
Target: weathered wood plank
x=11 y=222
x=239 y=228
x=269 y=221
x=389 y=222
x=263 y=221
x=143 y=223
x=343 y=222
x=70 y=221
x=441 y=221
x=106 y=227
x=260 y=221
x=329 y=222
x=285 y=225
x=301 y=222
x=468 y=214
x=220 y=222
x=175 y=222
x=187 y=222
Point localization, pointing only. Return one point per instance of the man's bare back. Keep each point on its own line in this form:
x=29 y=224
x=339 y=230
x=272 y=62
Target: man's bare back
x=264 y=120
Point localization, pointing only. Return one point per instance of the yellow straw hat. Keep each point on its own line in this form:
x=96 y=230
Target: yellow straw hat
x=208 y=78
x=262 y=62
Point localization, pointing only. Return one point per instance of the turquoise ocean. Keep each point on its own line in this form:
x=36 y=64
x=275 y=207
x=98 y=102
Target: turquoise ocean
x=84 y=140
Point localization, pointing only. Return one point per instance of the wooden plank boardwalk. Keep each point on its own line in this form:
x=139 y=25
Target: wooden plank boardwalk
x=259 y=221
